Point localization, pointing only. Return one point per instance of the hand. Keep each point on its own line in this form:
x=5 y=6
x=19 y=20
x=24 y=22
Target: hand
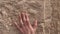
x=25 y=27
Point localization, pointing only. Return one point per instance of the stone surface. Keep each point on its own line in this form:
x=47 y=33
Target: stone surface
x=47 y=12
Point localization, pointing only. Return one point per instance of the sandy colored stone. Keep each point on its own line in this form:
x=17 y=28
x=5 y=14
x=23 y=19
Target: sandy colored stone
x=47 y=12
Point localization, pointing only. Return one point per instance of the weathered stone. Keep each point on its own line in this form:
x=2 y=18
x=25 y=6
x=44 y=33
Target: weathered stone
x=47 y=12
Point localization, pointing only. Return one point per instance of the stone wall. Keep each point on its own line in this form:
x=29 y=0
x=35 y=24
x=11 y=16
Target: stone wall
x=45 y=11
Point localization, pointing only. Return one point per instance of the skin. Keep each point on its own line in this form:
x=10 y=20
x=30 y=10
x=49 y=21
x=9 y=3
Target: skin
x=25 y=26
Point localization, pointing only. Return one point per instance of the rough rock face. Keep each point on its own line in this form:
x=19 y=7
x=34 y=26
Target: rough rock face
x=45 y=11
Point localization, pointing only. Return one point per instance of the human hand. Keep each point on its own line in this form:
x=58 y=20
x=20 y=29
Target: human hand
x=25 y=26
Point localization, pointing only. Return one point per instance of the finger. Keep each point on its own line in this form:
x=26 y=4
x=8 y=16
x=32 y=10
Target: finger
x=35 y=24
x=23 y=18
x=24 y=21
x=20 y=29
x=20 y=20
x=27 y=19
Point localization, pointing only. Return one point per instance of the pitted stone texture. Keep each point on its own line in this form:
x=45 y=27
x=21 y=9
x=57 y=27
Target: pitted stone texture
x=45 y=11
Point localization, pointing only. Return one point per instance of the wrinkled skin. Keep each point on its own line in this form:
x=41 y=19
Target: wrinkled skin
x=25 y=26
